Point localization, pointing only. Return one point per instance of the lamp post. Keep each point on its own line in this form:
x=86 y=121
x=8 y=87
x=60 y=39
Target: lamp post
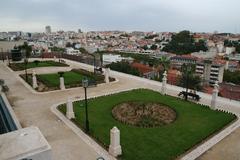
x=85 y=85
x=8 y=57
x=2 y=54
x=186 y=96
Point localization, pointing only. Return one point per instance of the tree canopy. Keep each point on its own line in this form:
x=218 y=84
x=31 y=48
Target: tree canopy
x=183 y=43
x=26 y=48
x=188 y=77
x=232 y=77
x=235 y=44
x=124 y=67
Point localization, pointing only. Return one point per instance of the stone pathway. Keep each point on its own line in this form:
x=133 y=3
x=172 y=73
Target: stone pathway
x=35 y=109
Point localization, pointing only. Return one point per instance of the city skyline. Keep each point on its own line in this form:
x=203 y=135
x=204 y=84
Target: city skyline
x=125 y=15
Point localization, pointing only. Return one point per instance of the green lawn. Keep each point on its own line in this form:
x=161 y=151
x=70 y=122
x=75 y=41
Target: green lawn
x=21 y=66
x=52 y=80
x=194 y=123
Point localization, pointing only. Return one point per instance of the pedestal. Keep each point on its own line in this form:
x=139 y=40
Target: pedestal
x=107 y=72
x=214 y=96
x=115 y=147
x=164 y=83
x=62 y=85
x=34 y=80
x=70 y=113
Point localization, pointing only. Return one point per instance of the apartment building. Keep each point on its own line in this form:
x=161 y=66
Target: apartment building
x=210 y=72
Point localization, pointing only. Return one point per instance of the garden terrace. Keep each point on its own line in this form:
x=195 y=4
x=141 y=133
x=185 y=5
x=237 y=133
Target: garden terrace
x=35 y=64
x=73 y=78
x=194 y=123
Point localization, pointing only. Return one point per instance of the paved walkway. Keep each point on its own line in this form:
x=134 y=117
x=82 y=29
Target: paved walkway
x=34 y=109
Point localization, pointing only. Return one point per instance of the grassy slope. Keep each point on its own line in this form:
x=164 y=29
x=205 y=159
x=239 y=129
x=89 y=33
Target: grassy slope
x=194 y=123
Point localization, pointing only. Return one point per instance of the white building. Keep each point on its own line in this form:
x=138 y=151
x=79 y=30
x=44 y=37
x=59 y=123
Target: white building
x=110 y=58
x=72 y=51
x=201 y=54
x=230 y=50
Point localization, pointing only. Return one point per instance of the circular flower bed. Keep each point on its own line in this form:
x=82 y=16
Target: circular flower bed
x=143 y=114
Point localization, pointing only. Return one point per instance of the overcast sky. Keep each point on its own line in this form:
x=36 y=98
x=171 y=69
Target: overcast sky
x=128 y=15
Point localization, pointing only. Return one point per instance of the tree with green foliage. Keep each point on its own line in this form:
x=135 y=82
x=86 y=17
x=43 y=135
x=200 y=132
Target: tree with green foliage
x=68 y=44
x=154 y=47
x=235 y=44
x=83 y=50
x=231 y=77
x=25 y=48
x=145 y=47
x=151 y=36
x=165 y=62
x=183 y=43
x=188 y=78
x=124 y=67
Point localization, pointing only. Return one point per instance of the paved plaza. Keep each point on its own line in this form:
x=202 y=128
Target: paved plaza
x=34 y=109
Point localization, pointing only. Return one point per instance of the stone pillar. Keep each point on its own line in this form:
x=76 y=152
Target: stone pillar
x=115 y=147
x=214 y=96
x=54 y=58
x=227 y=65
x=107 y=72
x=70 y=113
x=62 y=85
x=34 y=80
x=164 y=83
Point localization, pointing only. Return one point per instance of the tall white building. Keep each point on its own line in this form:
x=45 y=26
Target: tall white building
x=48 y=29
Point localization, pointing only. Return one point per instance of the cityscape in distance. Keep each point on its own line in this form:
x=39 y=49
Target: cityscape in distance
x=136 y=80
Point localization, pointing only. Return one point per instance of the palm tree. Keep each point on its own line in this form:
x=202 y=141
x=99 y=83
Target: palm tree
x=165 y=62
x=189 y=79
x=25 y=48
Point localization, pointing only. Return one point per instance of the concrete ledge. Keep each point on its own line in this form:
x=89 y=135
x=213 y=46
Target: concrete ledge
x=24 y=143
x=9 y=107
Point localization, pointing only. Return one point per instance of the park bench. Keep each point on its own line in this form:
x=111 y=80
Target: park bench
x=194 y=96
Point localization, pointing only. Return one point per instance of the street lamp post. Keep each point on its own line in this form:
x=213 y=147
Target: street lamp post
x=2 y=54
x=186 y=96
x=85 y=85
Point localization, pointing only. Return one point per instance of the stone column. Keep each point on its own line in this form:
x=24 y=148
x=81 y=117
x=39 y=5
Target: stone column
x=164 y=83
x=62 y=85
x=34 y=80
x=54 y=58
x=214 y=96
x=115 y=147
x=70 y=113
x=107 y=72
